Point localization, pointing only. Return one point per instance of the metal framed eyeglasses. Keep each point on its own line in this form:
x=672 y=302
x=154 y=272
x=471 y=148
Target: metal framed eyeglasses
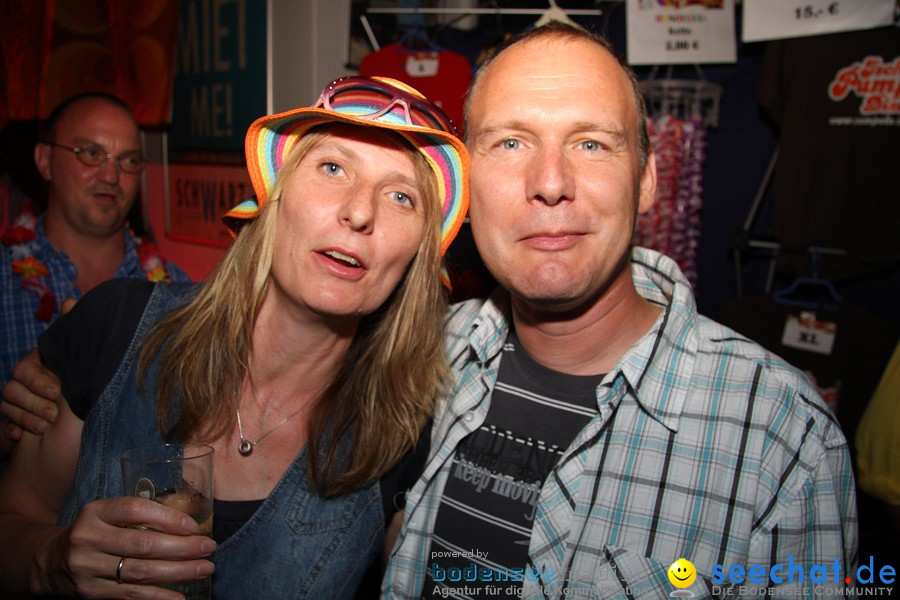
x=96 y=156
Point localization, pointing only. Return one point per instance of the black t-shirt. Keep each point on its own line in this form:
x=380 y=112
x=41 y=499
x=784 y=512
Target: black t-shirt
x=85 y=347
x=848 y=374
x=835 y=185
x=483 y=524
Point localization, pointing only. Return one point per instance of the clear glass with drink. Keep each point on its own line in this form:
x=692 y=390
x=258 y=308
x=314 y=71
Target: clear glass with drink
x=180 y=476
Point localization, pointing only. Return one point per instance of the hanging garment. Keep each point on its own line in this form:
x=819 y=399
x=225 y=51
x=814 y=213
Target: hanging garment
x=442 y=76
x=837 y=100
x=846 y=369
x=878 y=438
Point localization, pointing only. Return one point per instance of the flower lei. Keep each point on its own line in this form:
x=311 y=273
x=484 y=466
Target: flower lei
x=20 y=238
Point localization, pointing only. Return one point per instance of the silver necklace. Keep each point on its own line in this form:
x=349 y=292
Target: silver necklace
x=245 y=447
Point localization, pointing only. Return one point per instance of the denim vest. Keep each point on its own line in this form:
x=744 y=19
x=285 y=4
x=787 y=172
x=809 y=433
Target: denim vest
x=296 y=545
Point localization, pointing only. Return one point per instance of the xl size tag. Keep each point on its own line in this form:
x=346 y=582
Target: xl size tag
x=807 y=333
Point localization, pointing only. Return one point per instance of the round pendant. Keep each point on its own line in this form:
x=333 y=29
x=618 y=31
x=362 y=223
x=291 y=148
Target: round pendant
x=245 y=448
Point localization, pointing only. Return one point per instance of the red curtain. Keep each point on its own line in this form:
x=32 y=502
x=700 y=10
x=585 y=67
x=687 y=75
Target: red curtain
x=25 y=29
x=58 y=48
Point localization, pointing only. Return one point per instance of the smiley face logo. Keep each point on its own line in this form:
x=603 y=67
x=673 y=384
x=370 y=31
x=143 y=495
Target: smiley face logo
x=682 y=573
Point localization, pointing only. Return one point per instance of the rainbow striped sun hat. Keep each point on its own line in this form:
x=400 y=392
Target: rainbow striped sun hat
x=372 y=102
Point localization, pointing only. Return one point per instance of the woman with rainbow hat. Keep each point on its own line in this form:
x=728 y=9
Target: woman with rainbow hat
x=308 y=360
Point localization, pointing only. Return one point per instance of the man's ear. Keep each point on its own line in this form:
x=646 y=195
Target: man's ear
x=647 y=193
x=42 y=159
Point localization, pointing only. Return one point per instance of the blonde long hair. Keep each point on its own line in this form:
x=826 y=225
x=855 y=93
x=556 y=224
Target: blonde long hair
x=382 y=392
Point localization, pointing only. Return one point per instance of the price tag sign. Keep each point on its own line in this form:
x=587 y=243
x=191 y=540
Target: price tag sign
x=777 y=19
x=805 y=332
x=664 y=32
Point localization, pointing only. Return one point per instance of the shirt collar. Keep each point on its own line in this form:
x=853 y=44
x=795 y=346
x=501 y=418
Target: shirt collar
x=42 y=245
x=658 y=368
x=131 y=262
x=488 y=331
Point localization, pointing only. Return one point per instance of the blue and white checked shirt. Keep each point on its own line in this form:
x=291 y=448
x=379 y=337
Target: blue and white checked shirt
x=705 y=446
x=19 y=327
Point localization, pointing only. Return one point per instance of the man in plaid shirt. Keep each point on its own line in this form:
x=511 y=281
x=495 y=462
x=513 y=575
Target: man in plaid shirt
x=598 y=428
x=90 y=156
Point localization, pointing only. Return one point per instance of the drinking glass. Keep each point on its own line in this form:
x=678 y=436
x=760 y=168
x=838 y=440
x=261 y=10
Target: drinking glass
x=180 y=476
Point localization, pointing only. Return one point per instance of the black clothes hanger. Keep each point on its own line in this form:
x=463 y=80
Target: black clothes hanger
x=416 y=39
x=810 y=292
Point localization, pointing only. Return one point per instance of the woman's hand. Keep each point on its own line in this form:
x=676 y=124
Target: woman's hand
x=30 y=399
x=159 y=545
x=41 y=558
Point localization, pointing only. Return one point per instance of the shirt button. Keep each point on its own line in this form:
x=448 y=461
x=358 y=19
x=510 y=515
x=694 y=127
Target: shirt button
x=469 y=416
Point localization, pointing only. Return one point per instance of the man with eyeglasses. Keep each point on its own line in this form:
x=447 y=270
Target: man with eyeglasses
x=90 y=156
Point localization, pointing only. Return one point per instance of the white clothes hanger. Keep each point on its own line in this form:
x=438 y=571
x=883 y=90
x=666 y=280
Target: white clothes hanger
x=555 y=13
x=685 y=98
x=545 y=15
x=478 y=11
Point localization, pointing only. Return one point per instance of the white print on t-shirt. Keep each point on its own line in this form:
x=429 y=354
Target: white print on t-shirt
x=504 y=485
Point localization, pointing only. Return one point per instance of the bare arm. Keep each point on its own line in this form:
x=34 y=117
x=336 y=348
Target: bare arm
x=390 y=534
x=39 y=557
